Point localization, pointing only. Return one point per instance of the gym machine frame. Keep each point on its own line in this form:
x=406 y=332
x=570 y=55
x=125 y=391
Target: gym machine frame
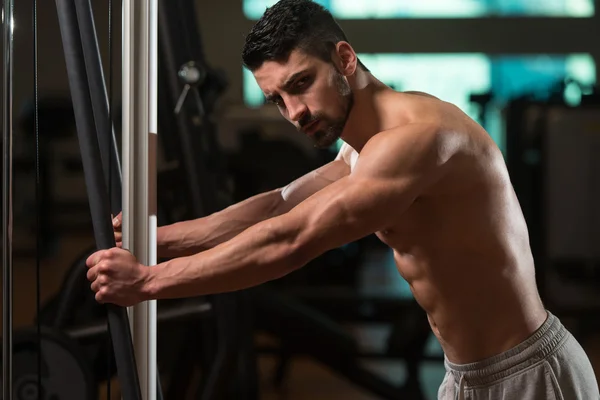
x=90 y=105
x=102 y=167
x=135 y=135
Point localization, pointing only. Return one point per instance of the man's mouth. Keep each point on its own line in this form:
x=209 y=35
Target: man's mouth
x=310 y=128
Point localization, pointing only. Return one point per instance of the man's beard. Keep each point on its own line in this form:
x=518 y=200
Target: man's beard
x=333 y=128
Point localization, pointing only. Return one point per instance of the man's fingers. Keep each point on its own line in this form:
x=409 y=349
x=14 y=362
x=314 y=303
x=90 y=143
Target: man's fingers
x=91 y=274
x=100 y=296
x=117 y=221
x=95 y=286
x=93 y=259
x=98 y=256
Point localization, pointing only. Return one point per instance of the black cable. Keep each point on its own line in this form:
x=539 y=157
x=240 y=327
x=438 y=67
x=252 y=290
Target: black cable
x=186 y=34
x=38 y=199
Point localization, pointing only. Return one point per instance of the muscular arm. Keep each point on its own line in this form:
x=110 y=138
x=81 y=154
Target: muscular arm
x=393 y=170
x=191 y=237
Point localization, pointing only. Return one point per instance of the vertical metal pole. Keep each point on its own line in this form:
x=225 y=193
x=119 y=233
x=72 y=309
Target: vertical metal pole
x=7 y=198
x=152 y=189
x=139 y=169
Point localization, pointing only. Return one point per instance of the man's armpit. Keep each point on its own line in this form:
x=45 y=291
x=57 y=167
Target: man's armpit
x=347 y=154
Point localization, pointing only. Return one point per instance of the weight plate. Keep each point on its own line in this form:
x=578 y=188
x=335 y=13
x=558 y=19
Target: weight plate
x=65 y=372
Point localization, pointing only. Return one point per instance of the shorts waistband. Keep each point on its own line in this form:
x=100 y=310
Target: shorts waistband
x=538 y=346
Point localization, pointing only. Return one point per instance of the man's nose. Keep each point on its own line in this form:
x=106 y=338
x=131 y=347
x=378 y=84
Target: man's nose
x=296 y=110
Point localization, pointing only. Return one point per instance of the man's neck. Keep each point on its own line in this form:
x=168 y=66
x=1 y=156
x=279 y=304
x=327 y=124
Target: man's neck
x=364 y=120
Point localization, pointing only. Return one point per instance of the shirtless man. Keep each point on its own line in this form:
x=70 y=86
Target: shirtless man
x=414 y=170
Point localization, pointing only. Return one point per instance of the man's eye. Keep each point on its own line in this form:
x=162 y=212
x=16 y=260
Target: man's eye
x=278 y=101
x=301 y=82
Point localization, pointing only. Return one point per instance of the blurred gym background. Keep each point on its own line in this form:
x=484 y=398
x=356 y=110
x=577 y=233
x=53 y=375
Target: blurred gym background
x=346 y=325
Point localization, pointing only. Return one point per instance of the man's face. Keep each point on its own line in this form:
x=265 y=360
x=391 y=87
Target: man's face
x=309 y=93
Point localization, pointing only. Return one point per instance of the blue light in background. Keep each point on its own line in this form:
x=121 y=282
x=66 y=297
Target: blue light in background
x=383 y=9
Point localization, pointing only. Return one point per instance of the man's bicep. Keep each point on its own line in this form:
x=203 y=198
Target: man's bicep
x=314 y=181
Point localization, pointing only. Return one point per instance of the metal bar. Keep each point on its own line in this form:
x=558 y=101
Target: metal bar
x=100 y=104
x=152 y=84
x=139 y=169
x=7 y=197
x=96 y=188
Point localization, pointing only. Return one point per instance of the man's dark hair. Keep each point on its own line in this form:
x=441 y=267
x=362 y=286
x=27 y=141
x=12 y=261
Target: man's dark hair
x=290 y=25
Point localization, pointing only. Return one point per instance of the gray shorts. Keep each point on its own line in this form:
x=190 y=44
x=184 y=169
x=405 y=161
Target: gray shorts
x=549 y=365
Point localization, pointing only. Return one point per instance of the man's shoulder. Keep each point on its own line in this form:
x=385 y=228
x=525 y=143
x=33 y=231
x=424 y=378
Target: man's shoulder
x=417 y=93
x=407 y=139
x=414 y=149
x=427 y=152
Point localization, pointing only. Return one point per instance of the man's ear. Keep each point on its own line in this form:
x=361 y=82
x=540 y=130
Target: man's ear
x=346 y=58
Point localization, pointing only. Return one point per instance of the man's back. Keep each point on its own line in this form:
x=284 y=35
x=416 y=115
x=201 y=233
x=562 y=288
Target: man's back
x=463 y=245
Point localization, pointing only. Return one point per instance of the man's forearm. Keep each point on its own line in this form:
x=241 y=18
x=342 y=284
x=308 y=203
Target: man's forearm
x=265 y=252
x=190 y=237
